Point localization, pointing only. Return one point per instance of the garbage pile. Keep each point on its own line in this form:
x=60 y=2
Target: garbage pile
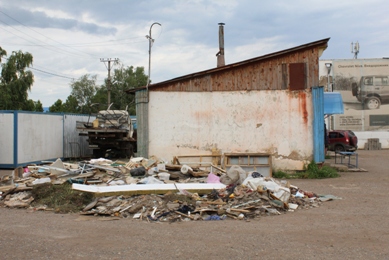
x=151 y=190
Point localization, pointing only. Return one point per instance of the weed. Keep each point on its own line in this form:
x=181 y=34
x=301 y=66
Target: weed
x=311 y=171
x=62 y=198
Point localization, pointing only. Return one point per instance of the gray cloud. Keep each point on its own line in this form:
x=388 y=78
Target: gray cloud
x=40 y=19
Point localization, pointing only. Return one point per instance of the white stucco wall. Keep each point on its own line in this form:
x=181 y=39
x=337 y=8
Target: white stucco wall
x=275 y=122
x=364 y=136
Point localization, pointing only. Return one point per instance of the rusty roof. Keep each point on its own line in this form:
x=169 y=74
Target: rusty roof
x=320 y=43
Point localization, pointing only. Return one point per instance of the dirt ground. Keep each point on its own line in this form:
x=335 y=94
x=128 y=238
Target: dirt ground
x=355 y=227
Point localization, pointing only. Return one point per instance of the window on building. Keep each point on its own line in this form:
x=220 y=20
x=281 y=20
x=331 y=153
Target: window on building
x=297 y=76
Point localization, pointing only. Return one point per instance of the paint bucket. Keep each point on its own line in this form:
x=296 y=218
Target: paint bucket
x=161 y=166
x=163 y=176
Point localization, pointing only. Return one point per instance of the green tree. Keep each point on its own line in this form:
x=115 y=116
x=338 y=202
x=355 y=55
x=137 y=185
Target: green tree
x=122 y=80
x=38 y=106
x=71 y=105
x=57 y=107
x=100 y=99
x=2 y=53
x=16 y=81
x=3 y=92
x=31 y=105
x=83 y=90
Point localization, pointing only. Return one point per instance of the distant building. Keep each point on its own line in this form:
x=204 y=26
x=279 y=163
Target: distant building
x=364 y=86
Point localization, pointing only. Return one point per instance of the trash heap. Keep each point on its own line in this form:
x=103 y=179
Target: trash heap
x=151 y=190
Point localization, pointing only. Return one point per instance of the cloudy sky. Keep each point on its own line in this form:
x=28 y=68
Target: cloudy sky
x=68 y=38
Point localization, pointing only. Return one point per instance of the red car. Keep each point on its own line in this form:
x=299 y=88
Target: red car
x=342 y=140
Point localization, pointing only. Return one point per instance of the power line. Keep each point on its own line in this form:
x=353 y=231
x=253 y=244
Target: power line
x=53 y=74
x=58 y=49
x=46 y=72
x=107 y=43
x=42 y=35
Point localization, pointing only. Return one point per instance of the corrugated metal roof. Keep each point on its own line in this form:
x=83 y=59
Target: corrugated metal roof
x=321 y=43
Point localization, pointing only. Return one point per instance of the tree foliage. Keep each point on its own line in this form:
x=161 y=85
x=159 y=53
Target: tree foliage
x=16 y=81
x=70 y=106
x=83 y=90
x=86 y=97
x=124 y=79
x=57 y=107
x=32 y=105
x=2 y=53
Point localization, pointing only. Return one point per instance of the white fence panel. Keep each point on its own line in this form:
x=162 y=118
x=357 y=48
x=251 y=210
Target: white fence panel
x=6 y=138
x=33 y=137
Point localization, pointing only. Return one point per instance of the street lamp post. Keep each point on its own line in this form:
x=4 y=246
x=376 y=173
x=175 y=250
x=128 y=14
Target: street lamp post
x=328 y=66
x=151 y=40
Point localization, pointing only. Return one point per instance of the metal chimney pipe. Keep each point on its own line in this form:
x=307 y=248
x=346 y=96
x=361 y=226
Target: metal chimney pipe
x=220 y=54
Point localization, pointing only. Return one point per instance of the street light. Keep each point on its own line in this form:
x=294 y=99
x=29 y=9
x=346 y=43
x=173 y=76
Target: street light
x=328 y=66
x=151 y=40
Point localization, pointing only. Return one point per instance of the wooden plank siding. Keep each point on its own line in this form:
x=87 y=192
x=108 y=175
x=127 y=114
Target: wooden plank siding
x=268 y=74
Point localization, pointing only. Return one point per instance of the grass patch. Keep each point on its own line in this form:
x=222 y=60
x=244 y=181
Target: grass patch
x=311 y=171
x=62 y=198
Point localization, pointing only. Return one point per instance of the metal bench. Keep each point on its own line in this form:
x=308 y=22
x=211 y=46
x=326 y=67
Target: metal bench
x=349 y=155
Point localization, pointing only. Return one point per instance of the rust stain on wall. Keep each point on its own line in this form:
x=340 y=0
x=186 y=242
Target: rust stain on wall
x=303 y=106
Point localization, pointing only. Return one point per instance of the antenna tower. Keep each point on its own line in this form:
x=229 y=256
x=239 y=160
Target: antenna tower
x=355 y=49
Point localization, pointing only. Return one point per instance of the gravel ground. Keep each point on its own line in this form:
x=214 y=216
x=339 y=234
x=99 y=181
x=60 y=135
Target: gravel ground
x=355 y=227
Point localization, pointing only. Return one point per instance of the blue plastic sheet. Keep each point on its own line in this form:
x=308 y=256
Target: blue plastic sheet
x=333 y=103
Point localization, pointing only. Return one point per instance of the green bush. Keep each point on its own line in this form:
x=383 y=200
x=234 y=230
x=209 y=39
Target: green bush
x=311 y=171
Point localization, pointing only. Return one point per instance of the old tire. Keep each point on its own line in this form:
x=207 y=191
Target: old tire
x=373 y=103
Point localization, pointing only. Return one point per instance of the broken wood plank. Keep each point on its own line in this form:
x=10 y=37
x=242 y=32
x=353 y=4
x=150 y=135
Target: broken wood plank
x=106 y=168
x=218 y=168
x=241 y=210
x=216 y=202
x=182 y=214
x=6 y=188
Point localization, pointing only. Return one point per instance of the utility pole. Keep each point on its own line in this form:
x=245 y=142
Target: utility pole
x=109 y=76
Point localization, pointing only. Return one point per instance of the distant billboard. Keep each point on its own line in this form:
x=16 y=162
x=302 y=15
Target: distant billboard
x=364 y=86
